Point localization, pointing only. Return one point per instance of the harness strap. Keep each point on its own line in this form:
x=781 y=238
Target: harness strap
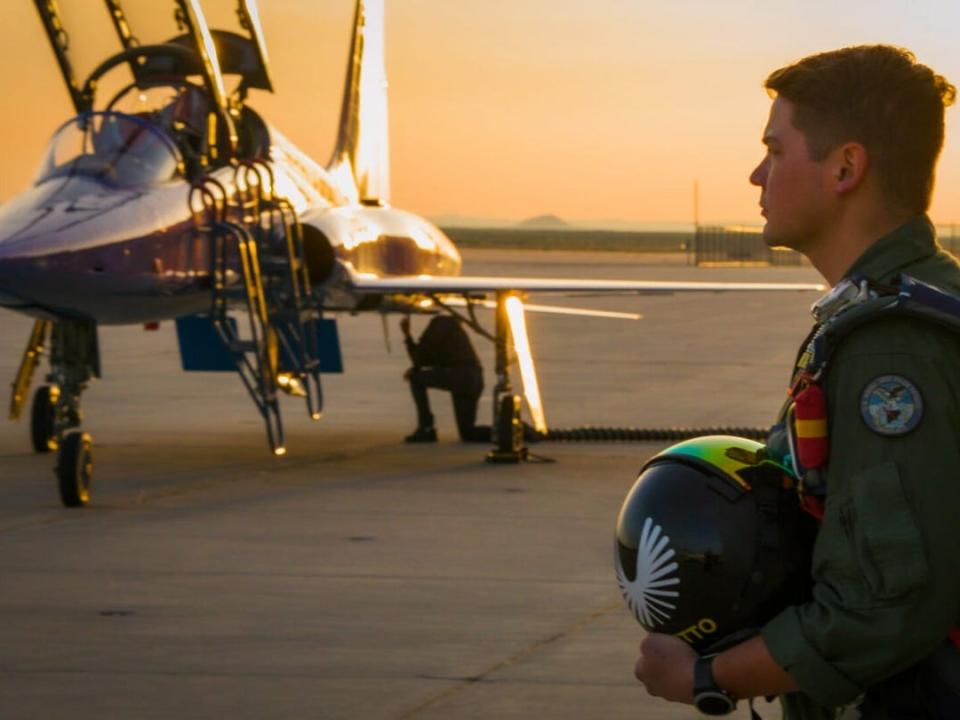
x=807 y=421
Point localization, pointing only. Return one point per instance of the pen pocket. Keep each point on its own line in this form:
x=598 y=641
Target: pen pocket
x=887 y=542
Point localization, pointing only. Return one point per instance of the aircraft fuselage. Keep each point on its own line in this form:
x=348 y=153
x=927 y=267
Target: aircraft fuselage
x=77 y=246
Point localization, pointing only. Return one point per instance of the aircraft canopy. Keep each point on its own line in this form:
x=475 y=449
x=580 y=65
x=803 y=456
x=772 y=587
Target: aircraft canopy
x=113 y=148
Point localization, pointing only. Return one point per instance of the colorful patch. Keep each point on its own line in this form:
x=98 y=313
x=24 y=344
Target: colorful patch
x=891 y=405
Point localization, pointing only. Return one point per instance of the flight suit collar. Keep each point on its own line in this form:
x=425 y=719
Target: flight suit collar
x=909 y=243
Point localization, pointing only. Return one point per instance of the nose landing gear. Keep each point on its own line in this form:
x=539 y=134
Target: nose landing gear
x=55 y=412
x=74 y=360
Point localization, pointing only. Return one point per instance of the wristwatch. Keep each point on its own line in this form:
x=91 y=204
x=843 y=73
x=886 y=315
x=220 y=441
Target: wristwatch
x=708 y=697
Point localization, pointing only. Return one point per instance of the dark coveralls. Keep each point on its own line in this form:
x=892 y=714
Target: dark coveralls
x=444 y=358
x=886 y=563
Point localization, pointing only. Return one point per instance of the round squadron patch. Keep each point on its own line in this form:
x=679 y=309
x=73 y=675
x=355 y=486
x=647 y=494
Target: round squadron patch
x=891 y=405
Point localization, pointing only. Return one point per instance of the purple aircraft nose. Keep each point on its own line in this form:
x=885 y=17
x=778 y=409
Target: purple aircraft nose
x=79 y=247
x=106 y=220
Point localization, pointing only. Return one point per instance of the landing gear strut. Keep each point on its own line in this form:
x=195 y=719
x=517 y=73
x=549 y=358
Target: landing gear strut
x=43 y=418
x=74 y=360
x=507 y=427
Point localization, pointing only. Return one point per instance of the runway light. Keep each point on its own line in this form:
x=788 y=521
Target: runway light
x=280 y=451
x=528 y=374
x=316 y=416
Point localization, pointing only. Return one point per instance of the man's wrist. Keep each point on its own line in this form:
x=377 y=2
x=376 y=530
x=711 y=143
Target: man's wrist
x=708 y=697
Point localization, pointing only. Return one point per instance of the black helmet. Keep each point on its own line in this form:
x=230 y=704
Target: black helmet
x=711 y=542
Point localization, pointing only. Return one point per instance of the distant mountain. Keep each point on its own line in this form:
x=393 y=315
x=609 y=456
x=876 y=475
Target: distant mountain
x=544 y=222
x=615 y=224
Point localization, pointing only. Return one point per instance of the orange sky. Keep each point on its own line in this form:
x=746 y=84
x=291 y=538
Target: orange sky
x=590 y=109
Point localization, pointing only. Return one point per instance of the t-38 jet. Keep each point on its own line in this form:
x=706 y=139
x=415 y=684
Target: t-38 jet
x=168 y=197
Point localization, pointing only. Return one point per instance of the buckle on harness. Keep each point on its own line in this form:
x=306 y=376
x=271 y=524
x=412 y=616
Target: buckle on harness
x=851 y=291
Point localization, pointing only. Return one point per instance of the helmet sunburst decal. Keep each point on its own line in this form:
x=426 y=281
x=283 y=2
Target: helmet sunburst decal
x=646 y=595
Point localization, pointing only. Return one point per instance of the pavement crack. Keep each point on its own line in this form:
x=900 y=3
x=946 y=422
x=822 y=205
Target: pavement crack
x=465 y=682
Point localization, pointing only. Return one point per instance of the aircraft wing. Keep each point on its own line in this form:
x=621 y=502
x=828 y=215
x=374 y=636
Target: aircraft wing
x=459 y=285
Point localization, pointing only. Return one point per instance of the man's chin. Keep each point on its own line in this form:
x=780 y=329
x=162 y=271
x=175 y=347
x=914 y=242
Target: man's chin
x=774 y=239
x=769 y=237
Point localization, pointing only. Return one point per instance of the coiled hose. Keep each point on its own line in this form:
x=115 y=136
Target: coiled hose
x=589 y=433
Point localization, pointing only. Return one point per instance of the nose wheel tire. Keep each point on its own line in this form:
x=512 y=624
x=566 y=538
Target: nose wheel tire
x=42 y=415
x=75 y=469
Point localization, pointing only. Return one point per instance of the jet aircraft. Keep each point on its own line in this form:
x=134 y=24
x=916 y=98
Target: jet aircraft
x=167 y=196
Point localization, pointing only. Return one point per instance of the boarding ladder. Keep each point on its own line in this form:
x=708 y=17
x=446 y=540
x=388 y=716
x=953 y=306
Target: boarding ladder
x=257 y=263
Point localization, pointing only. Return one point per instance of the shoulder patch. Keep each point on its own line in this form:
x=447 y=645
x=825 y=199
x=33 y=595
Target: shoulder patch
x=891 y=405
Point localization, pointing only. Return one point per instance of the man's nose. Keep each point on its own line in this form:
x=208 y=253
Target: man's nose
x=759 y=175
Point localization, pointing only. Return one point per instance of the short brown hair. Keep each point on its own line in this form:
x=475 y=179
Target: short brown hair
x=877 y=95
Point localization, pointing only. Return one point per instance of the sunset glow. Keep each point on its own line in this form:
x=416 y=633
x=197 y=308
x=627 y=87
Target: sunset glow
x=505 y=109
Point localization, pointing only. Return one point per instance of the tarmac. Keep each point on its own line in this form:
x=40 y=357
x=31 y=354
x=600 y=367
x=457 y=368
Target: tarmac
x=358 y=577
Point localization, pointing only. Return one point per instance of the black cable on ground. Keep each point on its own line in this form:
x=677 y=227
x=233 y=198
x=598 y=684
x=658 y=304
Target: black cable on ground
x=611 y=434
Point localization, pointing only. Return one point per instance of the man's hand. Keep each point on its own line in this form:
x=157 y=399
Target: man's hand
x=405 y=326
x=665 y=667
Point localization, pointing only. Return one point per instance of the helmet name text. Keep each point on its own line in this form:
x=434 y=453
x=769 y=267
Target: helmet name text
x=704 y=627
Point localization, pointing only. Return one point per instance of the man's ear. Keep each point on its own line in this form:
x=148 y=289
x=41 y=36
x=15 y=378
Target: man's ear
x=848 y=165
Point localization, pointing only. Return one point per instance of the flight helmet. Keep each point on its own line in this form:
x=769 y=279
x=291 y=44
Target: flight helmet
x=711 y=542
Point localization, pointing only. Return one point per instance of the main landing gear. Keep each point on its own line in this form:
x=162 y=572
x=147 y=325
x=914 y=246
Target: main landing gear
x=507 y=428
x=55 y=415
x=511 y=345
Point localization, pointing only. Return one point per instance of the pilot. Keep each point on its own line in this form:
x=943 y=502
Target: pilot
x=851 y=146
x=186 y=118
x=111 y=136
x=444 y=358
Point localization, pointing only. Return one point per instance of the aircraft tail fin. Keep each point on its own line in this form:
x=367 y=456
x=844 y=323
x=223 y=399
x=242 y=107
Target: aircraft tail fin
x=361 y=158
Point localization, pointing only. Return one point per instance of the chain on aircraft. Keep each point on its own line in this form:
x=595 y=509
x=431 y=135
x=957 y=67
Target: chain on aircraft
x=167 y=196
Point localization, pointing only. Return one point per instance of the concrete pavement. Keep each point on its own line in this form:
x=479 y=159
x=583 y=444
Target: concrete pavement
x=358 y=577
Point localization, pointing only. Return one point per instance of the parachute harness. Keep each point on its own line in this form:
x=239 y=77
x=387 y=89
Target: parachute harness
x=849 y=305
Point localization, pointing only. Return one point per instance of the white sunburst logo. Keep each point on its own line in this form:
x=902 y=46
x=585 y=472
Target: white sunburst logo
x=647 y=595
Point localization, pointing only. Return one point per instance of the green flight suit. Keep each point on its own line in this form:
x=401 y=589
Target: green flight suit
x=886 y=563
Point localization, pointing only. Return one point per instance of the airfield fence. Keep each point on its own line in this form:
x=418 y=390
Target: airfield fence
x=738 y=245
x=570 y=239
x=733 y=245
x=949 y=237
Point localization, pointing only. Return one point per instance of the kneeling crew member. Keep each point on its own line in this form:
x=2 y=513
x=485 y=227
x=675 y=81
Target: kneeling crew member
x=444 y=358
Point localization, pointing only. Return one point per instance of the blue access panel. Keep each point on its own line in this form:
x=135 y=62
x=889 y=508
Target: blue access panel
x=202 y=350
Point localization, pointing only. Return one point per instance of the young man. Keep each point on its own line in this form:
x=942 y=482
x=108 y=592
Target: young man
x=444 y=358
x=852 y=142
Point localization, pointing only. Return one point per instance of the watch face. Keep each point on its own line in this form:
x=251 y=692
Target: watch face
x=714 y=703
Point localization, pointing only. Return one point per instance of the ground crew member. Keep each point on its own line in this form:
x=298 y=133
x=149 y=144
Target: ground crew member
x=851 y=146
x=444 y=358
